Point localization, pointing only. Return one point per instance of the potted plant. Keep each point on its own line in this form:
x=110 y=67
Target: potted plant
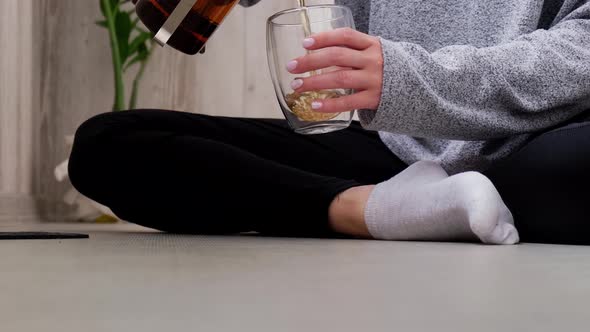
x=131 y=48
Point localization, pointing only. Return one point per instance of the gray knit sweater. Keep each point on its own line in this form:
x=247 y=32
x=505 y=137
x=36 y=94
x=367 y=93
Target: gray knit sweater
x=468 y=82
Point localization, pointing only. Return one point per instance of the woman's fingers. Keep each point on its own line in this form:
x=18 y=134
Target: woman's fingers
x=343 y=79
x=361 y=100
x=340 y=37
x=329 y=57
x=361 y=54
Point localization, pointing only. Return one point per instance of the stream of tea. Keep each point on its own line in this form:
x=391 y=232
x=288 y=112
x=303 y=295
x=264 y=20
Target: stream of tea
x=305 y=18
x=306 y=25
x=300 y=103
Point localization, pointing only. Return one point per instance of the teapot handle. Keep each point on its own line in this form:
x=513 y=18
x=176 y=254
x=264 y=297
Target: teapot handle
x=174 y=21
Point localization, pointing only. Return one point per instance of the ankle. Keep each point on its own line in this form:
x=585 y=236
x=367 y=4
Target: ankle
x=347 y=212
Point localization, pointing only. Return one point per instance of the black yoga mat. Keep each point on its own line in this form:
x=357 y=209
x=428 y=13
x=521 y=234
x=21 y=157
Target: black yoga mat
x=40 y=236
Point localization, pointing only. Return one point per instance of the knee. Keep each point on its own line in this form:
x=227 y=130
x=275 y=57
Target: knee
x=89 y=151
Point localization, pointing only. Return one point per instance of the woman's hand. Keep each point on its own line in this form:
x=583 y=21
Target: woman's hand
x=361 y=60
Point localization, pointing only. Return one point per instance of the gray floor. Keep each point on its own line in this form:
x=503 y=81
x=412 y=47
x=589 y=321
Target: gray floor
x=129 y=279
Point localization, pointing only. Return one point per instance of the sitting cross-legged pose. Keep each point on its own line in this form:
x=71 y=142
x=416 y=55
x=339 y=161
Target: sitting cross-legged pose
x=471 y=123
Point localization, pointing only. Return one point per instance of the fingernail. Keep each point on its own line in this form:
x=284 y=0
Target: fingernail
x=292 y=65
x=308 y=42
x=316 y=105
x=296 y=84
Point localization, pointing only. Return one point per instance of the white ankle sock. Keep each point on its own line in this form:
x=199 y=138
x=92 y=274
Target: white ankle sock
x=423 y=203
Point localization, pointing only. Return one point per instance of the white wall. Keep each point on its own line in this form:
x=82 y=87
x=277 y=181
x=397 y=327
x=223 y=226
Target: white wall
x=16 y=109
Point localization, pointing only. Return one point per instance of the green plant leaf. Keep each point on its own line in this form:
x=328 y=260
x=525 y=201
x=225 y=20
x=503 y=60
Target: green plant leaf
x=133 y=61
x=102 y=23
x=114 y=7
x=135 y=22
x=143 y=53
x=138 y=41
x=123 y=30
x=102 y=9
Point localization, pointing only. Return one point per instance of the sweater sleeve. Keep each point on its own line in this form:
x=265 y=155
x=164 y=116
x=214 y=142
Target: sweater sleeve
x=248 y=3
x=531 y=83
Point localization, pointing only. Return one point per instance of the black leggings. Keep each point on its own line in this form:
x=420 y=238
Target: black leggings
x=188 y=173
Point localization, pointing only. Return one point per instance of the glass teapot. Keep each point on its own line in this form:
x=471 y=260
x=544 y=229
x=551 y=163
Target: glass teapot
x=186 y=25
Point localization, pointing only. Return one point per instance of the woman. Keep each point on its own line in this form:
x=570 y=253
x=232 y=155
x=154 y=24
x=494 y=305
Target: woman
x=450 y=87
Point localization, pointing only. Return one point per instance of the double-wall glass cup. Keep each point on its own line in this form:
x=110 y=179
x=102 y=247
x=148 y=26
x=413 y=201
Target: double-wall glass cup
x=286 y=31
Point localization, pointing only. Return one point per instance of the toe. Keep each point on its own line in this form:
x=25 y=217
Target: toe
x=513 y=236
x=503 y=234
x=489 y=218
